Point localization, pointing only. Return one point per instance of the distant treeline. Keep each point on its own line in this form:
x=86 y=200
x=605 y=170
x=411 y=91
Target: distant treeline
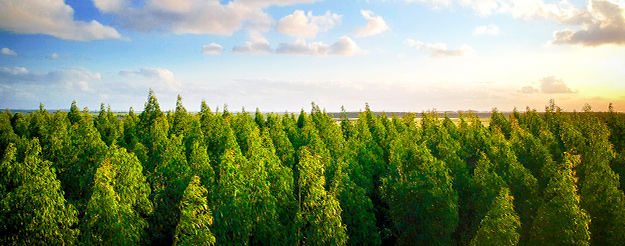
x=163 y=178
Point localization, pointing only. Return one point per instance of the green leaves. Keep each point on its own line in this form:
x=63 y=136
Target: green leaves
x=501 y=224
x=34 y=211
x=269 y=179
x=195 y=217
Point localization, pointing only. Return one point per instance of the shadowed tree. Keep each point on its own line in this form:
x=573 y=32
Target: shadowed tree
x=422 y=202
x=501 y=224
x=560 y=219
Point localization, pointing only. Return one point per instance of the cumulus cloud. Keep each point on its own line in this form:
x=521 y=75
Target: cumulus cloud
x=53 y=18
x=70 y=78
x=9 y=52
x=529 y=90
x=344 y=46
x=159 y=75
x=193 y=16
x=607 y=26
x=552 y=85
x=302 y=25
x=549 y=85
x=600 y=22
x=258 y=45
x=375 y=25
x=212 y=49
x=299 y=47
x=440 y=49
x=486 y=30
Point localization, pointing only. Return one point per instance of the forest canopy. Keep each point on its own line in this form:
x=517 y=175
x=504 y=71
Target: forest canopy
x=217 y=177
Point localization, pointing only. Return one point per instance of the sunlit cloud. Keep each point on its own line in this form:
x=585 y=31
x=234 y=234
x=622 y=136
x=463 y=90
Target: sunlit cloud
x=440 y=49
x=302 y=25
x=195 y=17
x=552 y=85
x=375 y=25
x=71 y=78
x=53 y=18
x=606 y=27
x=258 y=45
x=549 y=85
x=600 y=23
x=344 y=46
x=158 y=75
x=486 y=30
x=212 y=49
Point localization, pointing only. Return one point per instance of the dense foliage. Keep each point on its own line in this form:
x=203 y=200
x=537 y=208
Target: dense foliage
x=209 y=178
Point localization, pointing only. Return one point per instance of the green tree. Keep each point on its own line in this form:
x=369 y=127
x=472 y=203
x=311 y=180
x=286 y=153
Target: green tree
x=109 y=219
x=34 y=211
x=499 y=120
x=319 y=215
x=560 y=219
x=233 y=215
x=282 y=144
x=501 y=224
x=195 y=216
x=599 y=192
x=110 y=128
x=84 y=153
x=488 y=185
x=419 y=192
x=357 y=212
x=169 y=180
x=7 y=135
x=74 y=114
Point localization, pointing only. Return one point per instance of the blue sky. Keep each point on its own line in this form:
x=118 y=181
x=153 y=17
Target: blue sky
x=281 y=55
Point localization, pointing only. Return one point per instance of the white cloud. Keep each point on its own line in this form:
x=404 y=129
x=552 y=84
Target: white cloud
x=303 y=25
x=52 y=17
x=529 y=89
x=375 y=25
x=345 y=46
x=486 y=30
x=600 y=23
x=78 y=78
x=58 y=56
x=15 y=71
x=70 y=78
x=299 y=47
x=551 y=85
x=440 y=49
x=9 y=52
x=606 y=27
x=212 y=49
x=159 y=75
x=194 y=16
x=258 y=45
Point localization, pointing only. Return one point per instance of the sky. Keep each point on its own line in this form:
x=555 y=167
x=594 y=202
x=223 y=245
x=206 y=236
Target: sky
x=282 y=55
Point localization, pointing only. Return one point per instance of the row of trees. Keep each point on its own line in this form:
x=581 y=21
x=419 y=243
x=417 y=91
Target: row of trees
x=222 y=178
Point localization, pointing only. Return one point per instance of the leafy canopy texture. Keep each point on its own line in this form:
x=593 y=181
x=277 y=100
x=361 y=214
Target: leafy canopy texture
x=501 y=224
x=220 y=177
x=34 y=211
